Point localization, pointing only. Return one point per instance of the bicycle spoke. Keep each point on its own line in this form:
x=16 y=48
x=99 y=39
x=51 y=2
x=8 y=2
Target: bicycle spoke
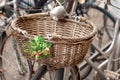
x=7 y=62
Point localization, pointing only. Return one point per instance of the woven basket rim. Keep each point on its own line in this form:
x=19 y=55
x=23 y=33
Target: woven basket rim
x=13 y=23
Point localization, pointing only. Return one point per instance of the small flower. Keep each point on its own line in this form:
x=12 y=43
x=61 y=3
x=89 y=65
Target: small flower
x=38 y=48
x=47 y=50
x=33 y=55
x=39 y=53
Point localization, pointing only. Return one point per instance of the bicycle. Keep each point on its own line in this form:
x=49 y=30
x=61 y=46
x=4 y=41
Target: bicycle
x=22 y=68
x=37 y=76
x=105 y=25
x=10 y=11
x=113 y=20
x=111 y=17
x=101 y=68
x=113 y=61
x=100 y=32
x=102 y=27
x=103 y=11
x=98 y=49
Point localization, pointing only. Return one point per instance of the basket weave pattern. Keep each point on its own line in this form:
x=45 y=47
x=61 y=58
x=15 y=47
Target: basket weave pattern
x=67 y=50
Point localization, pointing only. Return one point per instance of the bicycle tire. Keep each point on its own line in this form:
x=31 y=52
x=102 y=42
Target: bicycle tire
x=8 y=63
x=106 y=16
x=2 y=36
x=104 y=12
x=57 y=74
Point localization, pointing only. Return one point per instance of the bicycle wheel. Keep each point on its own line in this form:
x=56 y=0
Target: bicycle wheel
x=13 y=65
x=110 y=66
x=105 y=34
x=103 y=21
x=69 y=73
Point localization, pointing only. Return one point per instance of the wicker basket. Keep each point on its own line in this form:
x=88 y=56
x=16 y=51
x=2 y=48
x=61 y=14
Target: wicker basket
x=69 y=46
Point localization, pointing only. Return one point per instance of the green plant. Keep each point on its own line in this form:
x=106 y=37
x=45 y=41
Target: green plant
x=37 y=48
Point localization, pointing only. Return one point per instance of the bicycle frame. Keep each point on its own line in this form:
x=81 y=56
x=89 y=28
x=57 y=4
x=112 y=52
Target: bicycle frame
x=112 y=46
x=71 y=9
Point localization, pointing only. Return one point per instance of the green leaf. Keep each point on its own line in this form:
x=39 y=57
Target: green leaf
x=48 y=56
x=37 y=57
x=32 y=42
x=33 y=52
x=37 y=45
x=38 y=48
x=49 y=44
x=39 y=39
x=44 y=45
x=34 y=48
x=41 y=56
